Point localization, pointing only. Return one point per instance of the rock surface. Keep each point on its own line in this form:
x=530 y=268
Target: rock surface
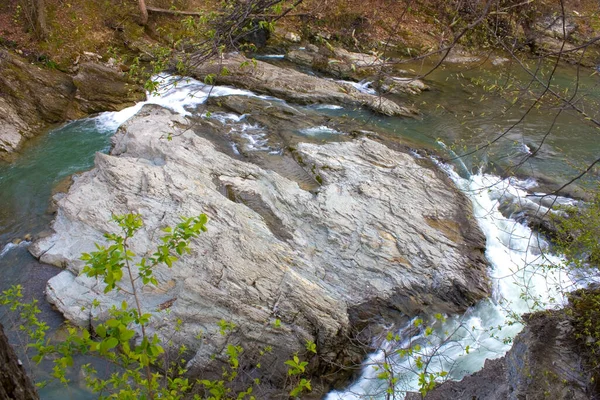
x=31 y=98
x=14 y=382
x=292 y=85
x=344 y=64
x=543 y=363
x=383 y=237
x=398 y=85
x=336 y=62
x=100 y=88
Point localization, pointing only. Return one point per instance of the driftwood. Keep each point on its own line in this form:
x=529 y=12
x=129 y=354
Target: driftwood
x=172 y=12
x=199 y=13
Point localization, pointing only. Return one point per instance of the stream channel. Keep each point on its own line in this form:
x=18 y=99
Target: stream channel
x=456 y=111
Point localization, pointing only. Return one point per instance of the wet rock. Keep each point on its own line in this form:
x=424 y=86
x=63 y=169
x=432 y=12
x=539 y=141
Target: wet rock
x=458 y=55
x=382 y=236
x=292 y=85
x=534 y=211
x=337 y=62
x=397 y=85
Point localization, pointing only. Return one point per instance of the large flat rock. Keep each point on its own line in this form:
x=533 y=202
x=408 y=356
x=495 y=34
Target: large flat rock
x=382 y=237
x=292 y=85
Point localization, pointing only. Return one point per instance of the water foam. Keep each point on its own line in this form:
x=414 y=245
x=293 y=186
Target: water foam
x=178 y=94
x=518 y=264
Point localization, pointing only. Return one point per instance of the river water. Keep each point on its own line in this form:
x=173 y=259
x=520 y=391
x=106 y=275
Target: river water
x=457 y=112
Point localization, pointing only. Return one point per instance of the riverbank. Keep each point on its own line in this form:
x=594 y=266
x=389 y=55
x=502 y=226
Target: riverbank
x=345 y=40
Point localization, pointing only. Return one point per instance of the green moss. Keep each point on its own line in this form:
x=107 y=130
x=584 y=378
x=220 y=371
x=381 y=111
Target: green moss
x=586 y=315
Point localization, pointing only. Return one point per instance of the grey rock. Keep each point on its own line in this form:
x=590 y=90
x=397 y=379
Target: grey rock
x=459 y=55
x=401 y=85
x=383 y=235
x=337 y=62
x=292 y=85
x=556 y=26
x=101 y=88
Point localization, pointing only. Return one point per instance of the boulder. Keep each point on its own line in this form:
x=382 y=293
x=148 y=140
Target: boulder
x=398 y=85
x=458 y=55
x=556 y=26
x=293 y=37
x=337 y=62
x=381 y=239
x=101 y=88
x=292 y=85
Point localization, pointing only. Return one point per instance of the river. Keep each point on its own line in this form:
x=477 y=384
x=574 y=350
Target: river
x=457 y=114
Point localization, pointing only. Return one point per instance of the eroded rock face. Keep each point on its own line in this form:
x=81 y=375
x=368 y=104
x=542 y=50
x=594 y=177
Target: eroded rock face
x=382 y=236
x=100 y=88
x=14 y=382
x=294 y=86
x=31 y=98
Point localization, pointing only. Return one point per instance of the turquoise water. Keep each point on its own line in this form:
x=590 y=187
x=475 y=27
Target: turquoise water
x=25 y=190
x=26 y=185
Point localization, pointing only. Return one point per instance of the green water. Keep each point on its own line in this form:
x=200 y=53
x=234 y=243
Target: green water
x=26 y=184
x=459 y=112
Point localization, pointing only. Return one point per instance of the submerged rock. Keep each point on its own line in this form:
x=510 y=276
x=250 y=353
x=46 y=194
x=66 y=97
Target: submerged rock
x=382 y=238
x=292 y=85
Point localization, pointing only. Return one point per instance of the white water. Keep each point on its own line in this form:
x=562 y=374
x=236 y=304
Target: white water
x=320 y=131
x=363 y=86
x=517 y=259
x=9 y=246
x=180 y=95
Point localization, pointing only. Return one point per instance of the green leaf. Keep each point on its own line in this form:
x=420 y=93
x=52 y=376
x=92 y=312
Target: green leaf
x=101 y=331
x=111 y=343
